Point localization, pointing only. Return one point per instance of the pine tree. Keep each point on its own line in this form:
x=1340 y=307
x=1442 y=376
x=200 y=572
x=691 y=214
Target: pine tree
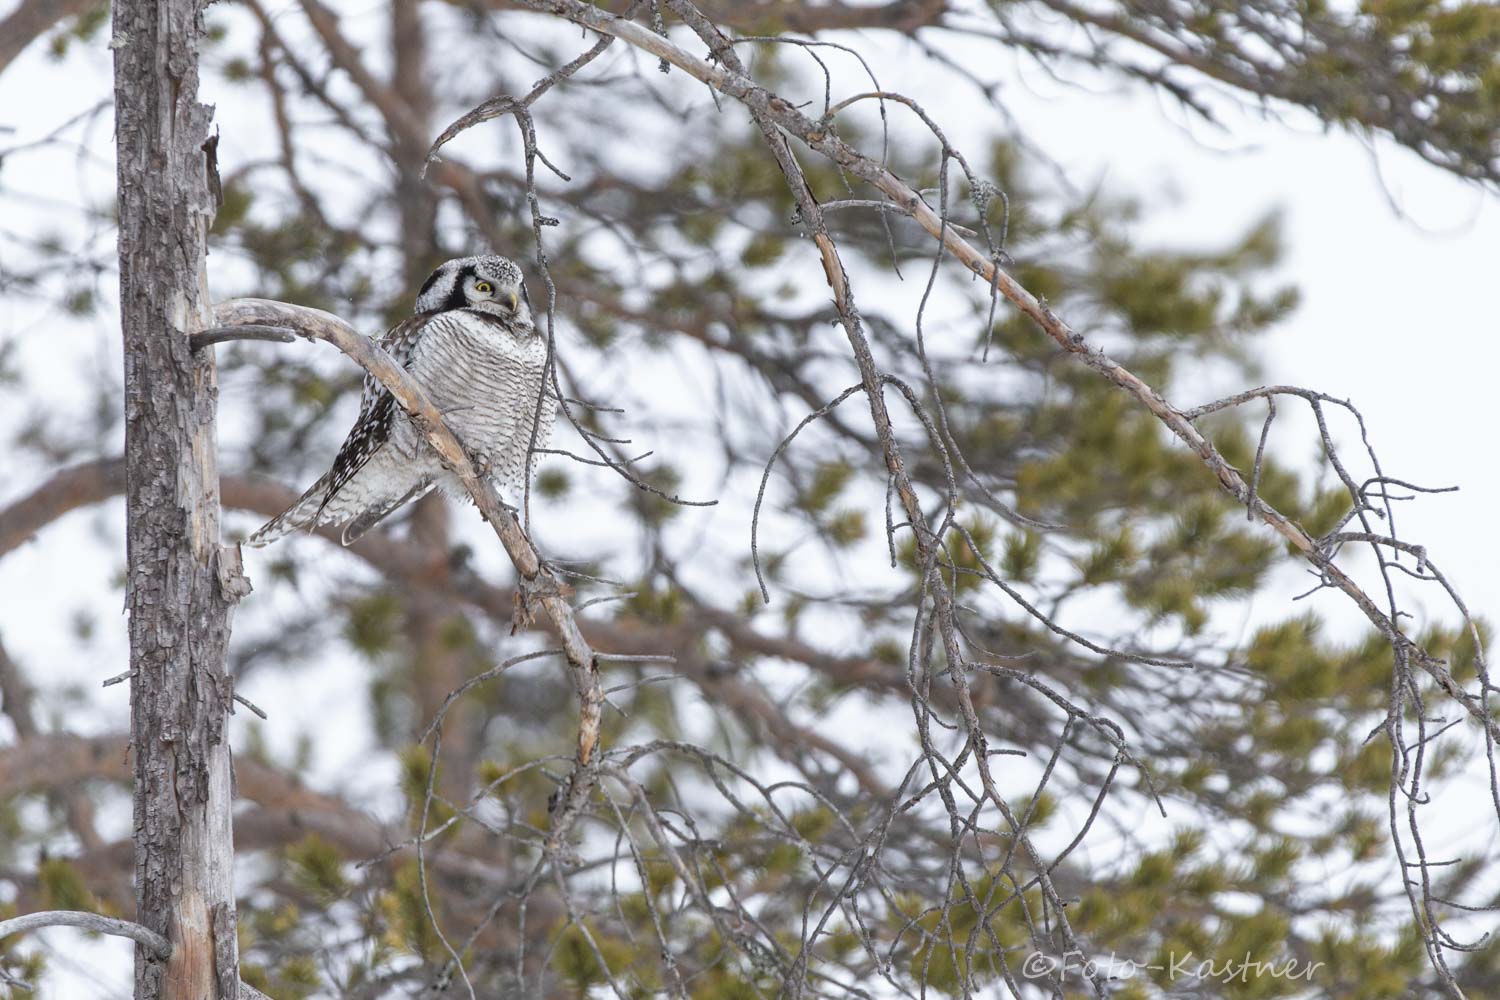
x=1032 y=586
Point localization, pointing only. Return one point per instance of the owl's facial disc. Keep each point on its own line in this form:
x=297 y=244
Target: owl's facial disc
x=492 y=295
x=488 y=284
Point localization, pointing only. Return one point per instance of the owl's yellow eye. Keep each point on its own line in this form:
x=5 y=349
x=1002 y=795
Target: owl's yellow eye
x=483 y=287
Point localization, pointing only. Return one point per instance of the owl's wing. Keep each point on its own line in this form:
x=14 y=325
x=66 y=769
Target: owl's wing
x=377 y=408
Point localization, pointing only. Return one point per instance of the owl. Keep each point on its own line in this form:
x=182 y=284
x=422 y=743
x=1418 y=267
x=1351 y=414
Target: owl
x=472 y=347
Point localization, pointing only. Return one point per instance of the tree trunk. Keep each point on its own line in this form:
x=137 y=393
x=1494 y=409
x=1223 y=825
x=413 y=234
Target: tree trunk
x=182 y=586
x=441 y=659
x=416 y=199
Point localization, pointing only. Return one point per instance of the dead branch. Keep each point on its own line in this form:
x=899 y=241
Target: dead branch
x=159 y=946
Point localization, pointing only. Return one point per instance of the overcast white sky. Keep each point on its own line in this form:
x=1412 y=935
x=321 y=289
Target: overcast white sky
x=1399 y=268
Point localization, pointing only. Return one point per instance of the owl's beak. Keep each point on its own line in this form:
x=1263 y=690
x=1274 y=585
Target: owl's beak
x=513 y=300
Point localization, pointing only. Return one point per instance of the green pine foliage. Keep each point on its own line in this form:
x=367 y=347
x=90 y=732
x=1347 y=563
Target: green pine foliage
x=1257 y=747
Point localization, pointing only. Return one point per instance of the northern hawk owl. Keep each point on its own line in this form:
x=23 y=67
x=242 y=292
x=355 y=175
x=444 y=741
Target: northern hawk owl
x=472 y=346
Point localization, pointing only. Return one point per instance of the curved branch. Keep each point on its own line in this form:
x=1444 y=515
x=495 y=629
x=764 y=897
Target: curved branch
x=208 y=338
x=76 y=486
x=160 y=946
x=144 y=936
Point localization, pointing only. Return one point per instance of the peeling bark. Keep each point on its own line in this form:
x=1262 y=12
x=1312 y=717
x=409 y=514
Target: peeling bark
x=181 y=587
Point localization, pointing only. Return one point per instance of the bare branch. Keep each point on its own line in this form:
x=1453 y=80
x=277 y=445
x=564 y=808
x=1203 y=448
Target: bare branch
x=158 y=945
x=199 y=341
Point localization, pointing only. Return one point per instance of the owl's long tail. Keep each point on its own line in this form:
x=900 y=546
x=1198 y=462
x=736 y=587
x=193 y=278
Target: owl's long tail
x=361 y=508
x=302 y=514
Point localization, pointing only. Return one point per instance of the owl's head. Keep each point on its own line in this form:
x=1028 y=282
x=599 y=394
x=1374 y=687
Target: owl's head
x=486 y=284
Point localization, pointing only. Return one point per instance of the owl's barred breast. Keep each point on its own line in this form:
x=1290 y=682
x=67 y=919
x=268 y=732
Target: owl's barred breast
x=486 y=377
